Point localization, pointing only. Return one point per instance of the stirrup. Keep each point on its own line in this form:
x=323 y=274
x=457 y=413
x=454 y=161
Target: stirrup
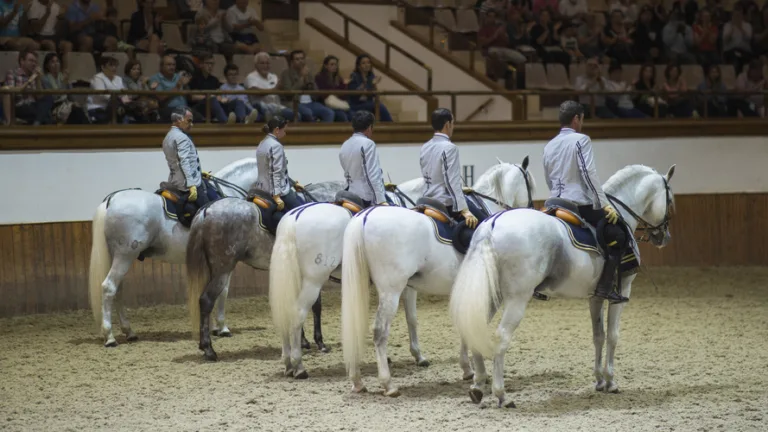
x=612 y=296
x=539 y=296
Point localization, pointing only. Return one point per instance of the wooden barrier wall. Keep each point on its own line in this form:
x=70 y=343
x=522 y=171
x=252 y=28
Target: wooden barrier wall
x=44 y=267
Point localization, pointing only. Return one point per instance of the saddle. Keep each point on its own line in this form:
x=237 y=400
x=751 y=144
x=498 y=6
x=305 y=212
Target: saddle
x=349 y=201
x=447 y=229
x=565 y=210
x=270 y=216
x=176 y=205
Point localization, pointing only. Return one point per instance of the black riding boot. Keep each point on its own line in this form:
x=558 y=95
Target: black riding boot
x=605 y=283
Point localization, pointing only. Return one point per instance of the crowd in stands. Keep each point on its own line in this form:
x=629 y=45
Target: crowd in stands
x=216 y=28
x=641 y=34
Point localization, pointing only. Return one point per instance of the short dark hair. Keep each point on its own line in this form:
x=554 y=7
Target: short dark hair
x=203 y=56
x=440 y=117
x=294 y=53
x=25 y=52
x=614 y=67
x=230 y=67
x=276 y=122
x=107 y=60
x=568 y=110
x=362 y=120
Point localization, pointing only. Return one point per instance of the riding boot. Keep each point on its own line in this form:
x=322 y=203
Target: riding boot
x=605 y=283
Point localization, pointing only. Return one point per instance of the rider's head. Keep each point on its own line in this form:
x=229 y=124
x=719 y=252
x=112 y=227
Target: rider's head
x=442 y=121
x=181 y=117
x=571 y=115
x=362 y=121
x=276 y=126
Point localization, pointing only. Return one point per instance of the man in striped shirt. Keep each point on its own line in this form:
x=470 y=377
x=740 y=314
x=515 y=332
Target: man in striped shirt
x=569 y=167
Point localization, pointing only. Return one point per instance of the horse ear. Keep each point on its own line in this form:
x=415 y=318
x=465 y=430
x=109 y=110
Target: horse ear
x=670 y=172
x=500 y=162
x=525 y=163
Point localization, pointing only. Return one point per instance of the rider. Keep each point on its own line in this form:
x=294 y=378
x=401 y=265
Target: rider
x=273 y=166
x=361 y=163
x=183 y=161
x=439 y=159
x=569 y=167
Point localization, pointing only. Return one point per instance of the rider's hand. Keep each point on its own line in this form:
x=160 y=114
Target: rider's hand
x=279 y=202
x=390 y=186
x=193 y=193
x=466 y=190
x=298 y=187
x=611 y=214
x=469 y=218
x=207 y=174
x=383 y=203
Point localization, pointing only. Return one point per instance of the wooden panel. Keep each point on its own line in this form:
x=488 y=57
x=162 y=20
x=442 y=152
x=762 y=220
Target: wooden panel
x=44 y=267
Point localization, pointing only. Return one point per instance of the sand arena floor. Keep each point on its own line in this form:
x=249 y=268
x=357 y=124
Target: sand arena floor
x=693 y=355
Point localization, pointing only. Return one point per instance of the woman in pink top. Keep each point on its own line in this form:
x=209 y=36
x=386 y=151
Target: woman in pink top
x=680 y=105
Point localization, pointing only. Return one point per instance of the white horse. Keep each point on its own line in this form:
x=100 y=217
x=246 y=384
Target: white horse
x=397 y=250
x=307 y=252
x=133 y=222
x=520 y=251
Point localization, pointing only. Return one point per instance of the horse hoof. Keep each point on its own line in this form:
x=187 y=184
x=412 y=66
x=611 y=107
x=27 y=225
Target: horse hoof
x=323 y=349
x=392 y=393
x=132 y=338
x=301 y=375
x=225 y=333
x=389 y=361
x=423 y=363
x=600 y=386
x=468 y=376
x=509 y=404
x=215 y=332
x=612 y=388
x=476 y=395
x=288 y=372
x=110 y=344
x=211 y=356
x=362 y=389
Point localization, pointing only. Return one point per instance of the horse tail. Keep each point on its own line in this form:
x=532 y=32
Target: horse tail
x=285 y=278
x=198 y=272
x=354 y=295
x=101 y=261
x=474 y=290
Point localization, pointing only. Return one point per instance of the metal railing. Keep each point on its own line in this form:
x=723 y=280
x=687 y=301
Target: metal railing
x=698 y=98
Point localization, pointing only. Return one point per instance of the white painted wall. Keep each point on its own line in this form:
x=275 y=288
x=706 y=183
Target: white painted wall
x=69 y=185
x=445 y=75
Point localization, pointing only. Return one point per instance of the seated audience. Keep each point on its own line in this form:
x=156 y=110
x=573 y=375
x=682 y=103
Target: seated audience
x=34 y=109
x=678 y=40
x=493 y=38
x=146 y=31
x=705 y=35
x=364 y=79
x=620 y=104
x=204 y=80
x=679 y=105
x=99 y=110
x=44 y=26
x=615 y=39
x=298 y=77
x=329 y=79
x=87 y=25
x=593 y=81
x=211 y=35
x=721 y=105
x=752 y=80
x=170 y=80
x=263 y=79
x=237 y=104
x=11 y=23
x=545 y=38
x=737 y=40
x=143 y=109
x=242 y=19
x=64 y=109
x=647 y=102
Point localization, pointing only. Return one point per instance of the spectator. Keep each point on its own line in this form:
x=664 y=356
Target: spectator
x=363 y=78
x=500 y=7
x=570 y=43
x=85 y=18
x=589 y=37
x=679 y=105
x=242 y=19
x=517 y=34
x=647 y=36
x=551 y=6
x=239 y=104
x=35 y=109
x=647 y=101
x=678 y=40
x=737 y=38
x=687 y=9
x=146 y=31
x=659 y=12
x=298 y=77
x=615 y=39
x=202 y=79
x=545 y=39
x=108 y=79
x=620 y=104
x=719 y=15
x=493 y=38
x=43 y=20
x=593 y=81
x=760 y=38
x=329 y=79
x=263 y=79
x=169 y=80
x=211 y=35
x=141 y=108
x=64 y=109
x=574 y=10
x=188 y=8
x=721 y=105
x=705 y=34
x=11 y=21
x=752 y=80
x=628 y=9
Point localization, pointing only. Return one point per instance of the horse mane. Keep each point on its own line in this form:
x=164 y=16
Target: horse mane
x=237 y=167
x=625 y=176
x=492 y=182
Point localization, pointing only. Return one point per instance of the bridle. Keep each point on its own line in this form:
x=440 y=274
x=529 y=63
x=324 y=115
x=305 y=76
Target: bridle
x=508 y=207
x=648 y=229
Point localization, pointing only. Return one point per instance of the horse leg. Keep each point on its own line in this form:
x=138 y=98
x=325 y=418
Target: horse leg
x=409 y=301
x=286 y=357
x=598 y=336
x=212 y=290
x=220 y=325
x=614 y=319
x=466 y=368
x=480 y=381
x=388 y=302
x=122 y=313
x=120 y=266
x=317 y=311
x=304 y=342
x=510 y=319
x=308 y=295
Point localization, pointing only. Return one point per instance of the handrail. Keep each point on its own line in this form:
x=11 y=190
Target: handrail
x=387 y=44
x=479 y=109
